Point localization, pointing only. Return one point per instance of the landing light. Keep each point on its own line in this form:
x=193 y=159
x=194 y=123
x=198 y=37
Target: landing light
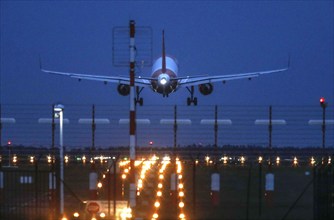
x=163 y=81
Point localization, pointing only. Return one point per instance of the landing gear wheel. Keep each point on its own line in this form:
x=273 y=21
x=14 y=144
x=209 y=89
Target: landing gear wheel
x=195 y=101
x=141 y=101
x=191 y=99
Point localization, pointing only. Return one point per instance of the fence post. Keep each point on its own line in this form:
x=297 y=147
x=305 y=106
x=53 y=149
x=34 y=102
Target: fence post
x=215 y=177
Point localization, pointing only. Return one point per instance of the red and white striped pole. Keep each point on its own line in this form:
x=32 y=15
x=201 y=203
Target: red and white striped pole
x=215 y=188
x=132 y=191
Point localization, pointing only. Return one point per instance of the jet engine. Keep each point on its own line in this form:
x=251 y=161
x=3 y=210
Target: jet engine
x=205 y=89
x=123 y=89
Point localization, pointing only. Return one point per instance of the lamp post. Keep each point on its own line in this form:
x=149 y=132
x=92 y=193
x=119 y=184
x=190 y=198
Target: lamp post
x=59 y=111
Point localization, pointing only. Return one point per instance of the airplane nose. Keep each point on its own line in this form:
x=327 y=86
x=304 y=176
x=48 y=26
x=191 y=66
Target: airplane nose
x=163 y=79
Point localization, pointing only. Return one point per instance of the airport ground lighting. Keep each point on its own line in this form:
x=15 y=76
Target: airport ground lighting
x=59 y=113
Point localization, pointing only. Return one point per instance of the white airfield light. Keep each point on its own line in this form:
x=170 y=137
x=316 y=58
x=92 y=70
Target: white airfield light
x=143 y=121
x=49 y=121
x=273 y=122
x=178 y=121
x=8 y=120
x=319 y=122
x=96 y=121
x=213 y=121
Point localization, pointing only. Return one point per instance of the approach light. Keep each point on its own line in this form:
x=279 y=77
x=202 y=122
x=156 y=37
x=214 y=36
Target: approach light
x=260 y=159
x=295 y=161
x=182 y=216
x=312 y=161
x=99 y=185
x=14 y=159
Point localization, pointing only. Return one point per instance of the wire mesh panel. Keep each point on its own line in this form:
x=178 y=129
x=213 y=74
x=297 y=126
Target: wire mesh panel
x=33 y=126
x=25 y=194
x=143 y=42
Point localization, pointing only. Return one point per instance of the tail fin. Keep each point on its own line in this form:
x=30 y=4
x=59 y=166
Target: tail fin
x=163 y=53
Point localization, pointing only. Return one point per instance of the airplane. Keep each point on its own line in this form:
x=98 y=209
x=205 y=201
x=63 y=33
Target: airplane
x=164 y=79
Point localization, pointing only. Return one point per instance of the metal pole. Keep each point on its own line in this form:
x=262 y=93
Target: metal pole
x=8 y=144
x=216 y=137
x=248 y=190
x=194 y=188
x=109 y=190
x=53 y=168
x=53 y=127
x=260 y=188
x=132 y=191
x=115 y=176
x=61 y=161
x=175 y=131
x=270 y=127
x=323 y=126
x=93 y=128
x=0 y=128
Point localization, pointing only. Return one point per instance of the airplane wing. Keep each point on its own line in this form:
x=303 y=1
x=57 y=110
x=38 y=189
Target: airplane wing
x=143 y=82
x=192 y=81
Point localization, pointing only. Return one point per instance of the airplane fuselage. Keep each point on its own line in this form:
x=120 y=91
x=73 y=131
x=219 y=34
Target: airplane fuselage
x=164 y=80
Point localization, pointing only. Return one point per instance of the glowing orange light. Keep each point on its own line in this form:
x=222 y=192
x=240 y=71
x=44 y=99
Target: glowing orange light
x=182 y=215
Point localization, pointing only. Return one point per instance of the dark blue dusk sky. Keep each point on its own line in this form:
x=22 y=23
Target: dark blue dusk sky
x=207 y=37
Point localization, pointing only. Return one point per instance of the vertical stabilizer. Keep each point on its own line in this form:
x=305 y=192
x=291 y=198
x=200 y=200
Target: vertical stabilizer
x=163 y=69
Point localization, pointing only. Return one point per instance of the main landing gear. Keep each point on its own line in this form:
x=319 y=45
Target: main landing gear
x=139 y=99
x=191 y=99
